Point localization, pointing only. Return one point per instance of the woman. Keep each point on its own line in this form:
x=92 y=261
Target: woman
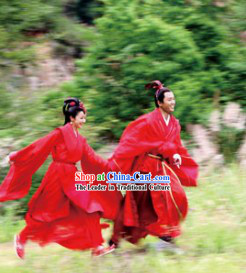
x=57 y=212
x=152 y=144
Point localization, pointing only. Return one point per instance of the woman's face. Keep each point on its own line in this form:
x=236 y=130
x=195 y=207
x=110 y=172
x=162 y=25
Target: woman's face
x=168 y=103
x=79 y=120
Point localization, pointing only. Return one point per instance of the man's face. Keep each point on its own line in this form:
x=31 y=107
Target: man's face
x=168 y=103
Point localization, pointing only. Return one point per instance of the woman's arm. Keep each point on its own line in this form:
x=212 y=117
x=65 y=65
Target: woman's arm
x=24 y=164
x=92 y=162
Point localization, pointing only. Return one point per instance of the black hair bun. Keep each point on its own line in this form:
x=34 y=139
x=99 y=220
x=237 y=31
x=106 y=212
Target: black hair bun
x=71 y=104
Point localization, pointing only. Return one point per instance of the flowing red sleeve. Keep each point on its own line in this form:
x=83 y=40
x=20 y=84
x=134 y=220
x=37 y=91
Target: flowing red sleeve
x=91 y=163
x=137 y=139
x=108 y=202
x=25 y=163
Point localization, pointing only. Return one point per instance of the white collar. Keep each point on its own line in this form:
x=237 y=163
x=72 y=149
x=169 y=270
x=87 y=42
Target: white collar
x=166 y=119
x=76 y=133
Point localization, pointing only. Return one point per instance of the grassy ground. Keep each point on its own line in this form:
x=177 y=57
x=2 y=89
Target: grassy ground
x=213 y=239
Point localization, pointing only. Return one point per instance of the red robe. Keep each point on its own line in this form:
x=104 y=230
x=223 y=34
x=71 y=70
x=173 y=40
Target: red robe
x=157 y=213
x=57 y=212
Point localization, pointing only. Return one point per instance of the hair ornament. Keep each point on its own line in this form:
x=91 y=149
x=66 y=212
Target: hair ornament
x=157 y=85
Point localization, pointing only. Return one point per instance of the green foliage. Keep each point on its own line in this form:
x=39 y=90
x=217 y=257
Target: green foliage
x=72 y=35
x=189 y=45
x=17 y=16
x=192 y=46
x=237 y=16
x=189 y=52
x=10 y=224
x=229 y=140
x=88 y=10
x=6 y=110
x=27 y=21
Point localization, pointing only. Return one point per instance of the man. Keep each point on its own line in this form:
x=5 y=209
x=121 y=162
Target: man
x=152 y=144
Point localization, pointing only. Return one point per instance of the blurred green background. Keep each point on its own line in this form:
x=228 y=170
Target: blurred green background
x=104 y=52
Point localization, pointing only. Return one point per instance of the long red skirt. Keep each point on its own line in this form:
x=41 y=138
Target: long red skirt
x=54 y=217
x=79 y=230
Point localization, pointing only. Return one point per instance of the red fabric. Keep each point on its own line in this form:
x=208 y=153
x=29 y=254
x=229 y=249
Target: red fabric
x=105 y=201
x=57 y=212
x=150 y=135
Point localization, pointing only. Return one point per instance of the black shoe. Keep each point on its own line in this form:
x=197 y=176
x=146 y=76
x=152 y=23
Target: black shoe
x=112 y=243
x=167 y=239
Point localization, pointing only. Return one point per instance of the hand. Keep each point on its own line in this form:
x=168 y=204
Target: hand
x=177 y=160
x=9 y=160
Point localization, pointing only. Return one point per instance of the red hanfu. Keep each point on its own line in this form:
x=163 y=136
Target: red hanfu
x=57 y=212
x=141 y=149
